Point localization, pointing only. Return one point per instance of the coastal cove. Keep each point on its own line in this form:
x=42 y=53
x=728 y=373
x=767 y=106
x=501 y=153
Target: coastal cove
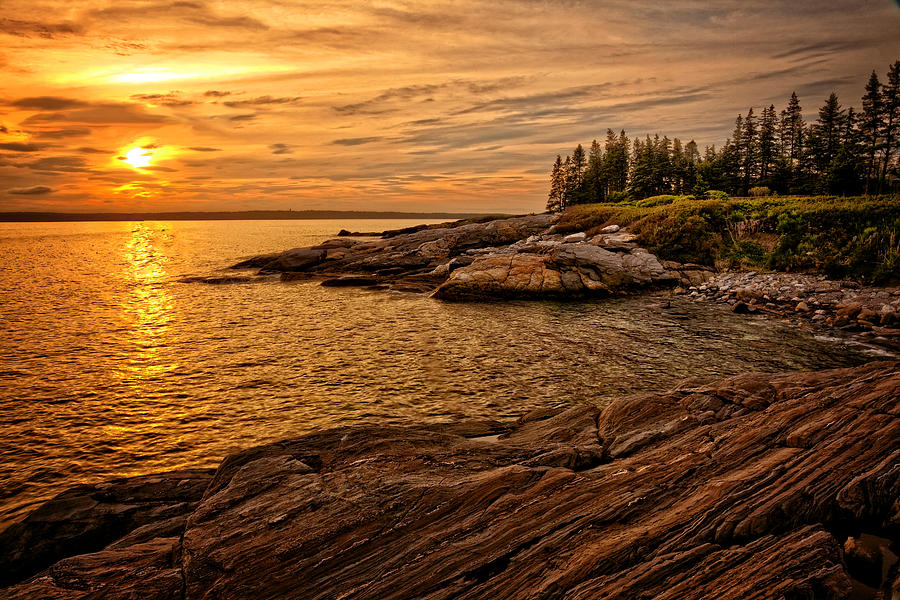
x=129 y=371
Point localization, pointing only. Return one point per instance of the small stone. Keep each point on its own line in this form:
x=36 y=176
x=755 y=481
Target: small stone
x=802 y=307
x=869 y=315
x=740 y=307
x=849 y=310
x=610 y=229
x=575 y=237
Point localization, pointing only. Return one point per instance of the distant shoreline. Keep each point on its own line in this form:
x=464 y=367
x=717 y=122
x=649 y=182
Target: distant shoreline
x=250 y=215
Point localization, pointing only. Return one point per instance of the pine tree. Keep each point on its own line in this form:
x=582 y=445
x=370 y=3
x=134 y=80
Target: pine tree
x=554 y=200
x=679 y=167
x=568 y=184
x=767 y=142
x=792 y=129
x=891 y=103
x=641 y=182
x=594 y=186
x=615 y=161
x=691 y=160
x=827 y=131
x=871 y=124
x=749 y=152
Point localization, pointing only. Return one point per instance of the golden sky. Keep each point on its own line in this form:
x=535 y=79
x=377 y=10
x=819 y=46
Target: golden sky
x=142 y=105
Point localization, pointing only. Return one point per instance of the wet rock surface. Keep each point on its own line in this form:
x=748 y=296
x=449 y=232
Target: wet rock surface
x=518 y=257
x=757 y=486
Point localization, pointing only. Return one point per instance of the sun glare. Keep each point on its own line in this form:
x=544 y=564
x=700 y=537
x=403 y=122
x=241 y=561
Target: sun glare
x=138 y=157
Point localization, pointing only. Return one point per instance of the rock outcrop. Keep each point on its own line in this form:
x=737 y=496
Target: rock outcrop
x=512 y=257
x=757 y=486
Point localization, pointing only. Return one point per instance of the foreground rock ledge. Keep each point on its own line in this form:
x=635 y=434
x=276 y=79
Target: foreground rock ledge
x=757 y=486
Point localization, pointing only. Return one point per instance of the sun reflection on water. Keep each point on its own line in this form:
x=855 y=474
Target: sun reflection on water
x=147 y=311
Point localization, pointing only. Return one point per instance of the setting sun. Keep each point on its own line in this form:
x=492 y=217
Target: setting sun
x=138 y=157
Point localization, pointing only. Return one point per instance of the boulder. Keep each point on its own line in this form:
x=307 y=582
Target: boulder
x=567 y=270
x=610 y=229
x=298 y=259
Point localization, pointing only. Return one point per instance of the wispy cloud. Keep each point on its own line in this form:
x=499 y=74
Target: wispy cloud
x=34 y=190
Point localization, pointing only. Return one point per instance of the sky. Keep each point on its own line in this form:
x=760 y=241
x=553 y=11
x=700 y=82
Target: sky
x=146 y=105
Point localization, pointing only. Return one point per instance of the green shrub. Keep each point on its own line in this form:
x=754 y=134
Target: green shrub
x=660 y=200
x=762 y=190
x=716 y=195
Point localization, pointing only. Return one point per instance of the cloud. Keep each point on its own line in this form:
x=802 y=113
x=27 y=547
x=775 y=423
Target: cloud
x=216 y=94
x=262 y=100
x=60 y=164
x=62 y=133
x=281 y=148
x=48 y=30
x=34 y=190
x=170 y=99
x=48 y=103
x=190 y=12
x=101 y=113
x=204 y=149
x=357 y=141
x=89 y=150
x=22 y=147
x=247 y=117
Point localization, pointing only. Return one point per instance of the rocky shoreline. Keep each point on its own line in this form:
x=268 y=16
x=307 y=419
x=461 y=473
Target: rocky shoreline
x=756 y=486
x=872 y=313
x=515 y=257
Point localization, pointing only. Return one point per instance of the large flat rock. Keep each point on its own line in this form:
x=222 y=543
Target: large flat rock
x=749 y=487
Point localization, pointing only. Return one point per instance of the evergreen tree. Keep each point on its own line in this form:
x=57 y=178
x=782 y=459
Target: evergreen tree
x=567 y=183
x=641 y=183
x=615 y=161
x=872 y=123
x=555 y=198
x=768 y=148
x=891 y=103
x=679 y=167
x=594 y=184
x=691 y=160
x=792 y=129
x=749 y=151
x=843 y=175
x=827 y=132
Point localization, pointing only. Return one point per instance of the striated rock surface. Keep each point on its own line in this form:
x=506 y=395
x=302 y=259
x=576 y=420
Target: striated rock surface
x=757 y=486
x=511 y=257
x=90 y=517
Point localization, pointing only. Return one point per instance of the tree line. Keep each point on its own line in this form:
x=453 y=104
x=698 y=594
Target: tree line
x=843 y=152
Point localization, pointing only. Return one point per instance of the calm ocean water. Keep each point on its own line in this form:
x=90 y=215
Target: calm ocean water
x=110 y=367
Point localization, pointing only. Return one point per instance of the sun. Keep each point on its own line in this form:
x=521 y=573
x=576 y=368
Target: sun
x=138 y=157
